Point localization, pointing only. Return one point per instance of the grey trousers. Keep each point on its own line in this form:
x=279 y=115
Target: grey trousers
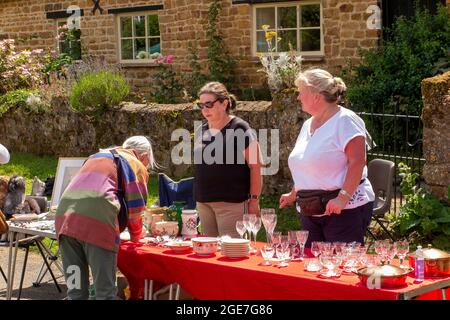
x=77 y=256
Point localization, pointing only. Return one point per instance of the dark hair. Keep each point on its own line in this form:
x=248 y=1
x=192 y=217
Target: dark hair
x=220 y=91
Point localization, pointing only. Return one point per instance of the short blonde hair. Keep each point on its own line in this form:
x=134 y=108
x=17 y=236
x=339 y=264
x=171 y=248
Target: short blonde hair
x=141 y=144
x=332 y=88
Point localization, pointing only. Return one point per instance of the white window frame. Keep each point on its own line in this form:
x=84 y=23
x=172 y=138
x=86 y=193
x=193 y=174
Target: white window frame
x=58 y=48
x=119 y=37
x=299 y=28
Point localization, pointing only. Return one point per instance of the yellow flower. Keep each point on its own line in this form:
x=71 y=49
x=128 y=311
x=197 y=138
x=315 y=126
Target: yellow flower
x=270 y=35
x=265 y=27
x=279 y=38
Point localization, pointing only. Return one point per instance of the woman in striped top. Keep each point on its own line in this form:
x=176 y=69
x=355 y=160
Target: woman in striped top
x=87 y=216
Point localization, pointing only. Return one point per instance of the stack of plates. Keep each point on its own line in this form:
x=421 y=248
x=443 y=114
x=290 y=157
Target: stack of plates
x=235 y=248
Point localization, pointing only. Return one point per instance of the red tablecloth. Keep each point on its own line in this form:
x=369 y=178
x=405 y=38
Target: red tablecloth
x=221 y=278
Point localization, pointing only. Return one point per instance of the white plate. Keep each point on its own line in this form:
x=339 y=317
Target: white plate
x=235 y=241
x=279 y=260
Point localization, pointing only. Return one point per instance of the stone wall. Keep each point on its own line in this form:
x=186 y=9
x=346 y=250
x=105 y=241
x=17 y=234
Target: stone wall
x=63 y=133
x=181 y=21
x=436 y=133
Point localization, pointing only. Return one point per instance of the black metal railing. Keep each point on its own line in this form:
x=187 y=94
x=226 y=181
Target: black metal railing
x=398 y=138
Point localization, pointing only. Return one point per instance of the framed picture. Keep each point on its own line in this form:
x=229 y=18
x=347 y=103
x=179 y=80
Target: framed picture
x=66 y=170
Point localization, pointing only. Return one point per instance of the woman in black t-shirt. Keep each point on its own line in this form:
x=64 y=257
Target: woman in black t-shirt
x=227 y=164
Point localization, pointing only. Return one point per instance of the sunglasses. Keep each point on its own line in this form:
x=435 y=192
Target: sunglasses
x=208 y=104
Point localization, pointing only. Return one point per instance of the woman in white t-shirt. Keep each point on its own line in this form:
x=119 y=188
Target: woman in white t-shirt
x=330 y=155
x=4 y=155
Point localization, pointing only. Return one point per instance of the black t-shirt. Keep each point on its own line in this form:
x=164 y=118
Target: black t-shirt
x=221 y=172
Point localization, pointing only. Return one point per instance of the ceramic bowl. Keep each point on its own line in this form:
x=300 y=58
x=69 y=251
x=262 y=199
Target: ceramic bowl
x=205 y=246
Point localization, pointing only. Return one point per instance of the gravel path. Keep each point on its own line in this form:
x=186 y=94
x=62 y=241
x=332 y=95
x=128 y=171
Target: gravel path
x=47 y=289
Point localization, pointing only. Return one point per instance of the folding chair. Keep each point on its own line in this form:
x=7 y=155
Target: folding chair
x=170 y=191
x=381 y=176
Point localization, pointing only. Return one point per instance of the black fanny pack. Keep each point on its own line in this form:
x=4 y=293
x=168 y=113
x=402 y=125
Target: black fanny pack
x=314 y=202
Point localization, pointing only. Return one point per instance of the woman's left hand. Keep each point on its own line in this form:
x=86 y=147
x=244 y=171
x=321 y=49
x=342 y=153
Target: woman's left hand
x=335 y=205
x=253 y=207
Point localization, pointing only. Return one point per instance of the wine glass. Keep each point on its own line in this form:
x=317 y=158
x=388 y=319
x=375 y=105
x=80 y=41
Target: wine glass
x=246 y=220
x=315 y=248
x=240 y=228
x=330 y=262
x=255 y=225
x=402 y=251
x=269 y=220
x=283 y=251
x=267 y=252
x=302 y=237
x=294 y=244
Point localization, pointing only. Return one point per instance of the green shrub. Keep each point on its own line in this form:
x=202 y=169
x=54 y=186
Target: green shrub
x=423 y=218
x=389 y=76
x=25 y=100
x=96 y=92
x=166 y=88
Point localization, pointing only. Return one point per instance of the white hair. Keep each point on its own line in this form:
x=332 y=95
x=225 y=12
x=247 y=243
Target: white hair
x=142 y=145
x=332 y=88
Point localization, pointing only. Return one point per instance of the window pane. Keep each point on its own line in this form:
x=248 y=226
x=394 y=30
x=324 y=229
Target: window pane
x=265 y=16
x=127 y=49
x=310 y=16
x=125 y=27
x=64 y=47
x=287 y=17
x=261 y=44
x=139 y=46
x=310 y=40
x=153 y=25
x=139 y=26
x=288 y=41
x=154 y=45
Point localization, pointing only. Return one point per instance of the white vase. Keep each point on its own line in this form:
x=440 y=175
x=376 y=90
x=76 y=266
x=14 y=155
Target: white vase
x=189 y=218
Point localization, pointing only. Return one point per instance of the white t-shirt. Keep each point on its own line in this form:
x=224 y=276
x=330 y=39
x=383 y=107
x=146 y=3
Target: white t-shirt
x=4 y=155
x=319 y=161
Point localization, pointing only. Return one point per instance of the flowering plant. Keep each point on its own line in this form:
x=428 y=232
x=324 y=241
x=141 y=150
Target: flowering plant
x=22 y=69
x=282 y=71
x=155 y=57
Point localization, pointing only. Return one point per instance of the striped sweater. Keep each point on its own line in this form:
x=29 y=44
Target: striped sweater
x=89 y=207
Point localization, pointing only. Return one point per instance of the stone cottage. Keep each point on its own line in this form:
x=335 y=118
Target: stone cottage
x=327 y=33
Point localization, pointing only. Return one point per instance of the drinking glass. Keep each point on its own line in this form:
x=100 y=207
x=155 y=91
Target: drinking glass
x=315 y=250
x=294 y=245
x=276 y=240
x=240 y=228
x=255 y=226
x=330 y=262
x=267 y=252
x=402 y=250
x=302 y=237
x=269 y=220
x=283 y=251
x=246 y=218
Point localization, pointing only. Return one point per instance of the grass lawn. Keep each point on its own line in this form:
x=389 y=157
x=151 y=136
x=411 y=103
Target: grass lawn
x=29 y=166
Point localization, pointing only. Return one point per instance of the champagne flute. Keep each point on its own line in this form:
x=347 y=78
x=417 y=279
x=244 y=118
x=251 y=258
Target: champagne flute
x=402 y=251
x=240 y=228
x=246 y=219
x=269 y=220
x=302 y=237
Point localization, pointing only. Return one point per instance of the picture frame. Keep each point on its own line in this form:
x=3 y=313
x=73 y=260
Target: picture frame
x=67 y=168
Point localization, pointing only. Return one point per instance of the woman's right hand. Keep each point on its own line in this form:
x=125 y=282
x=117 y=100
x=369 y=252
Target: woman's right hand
x=287 y=199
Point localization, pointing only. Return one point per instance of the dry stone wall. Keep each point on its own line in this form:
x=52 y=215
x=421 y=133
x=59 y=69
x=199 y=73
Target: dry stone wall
x=436 y=133
x=63 y=133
